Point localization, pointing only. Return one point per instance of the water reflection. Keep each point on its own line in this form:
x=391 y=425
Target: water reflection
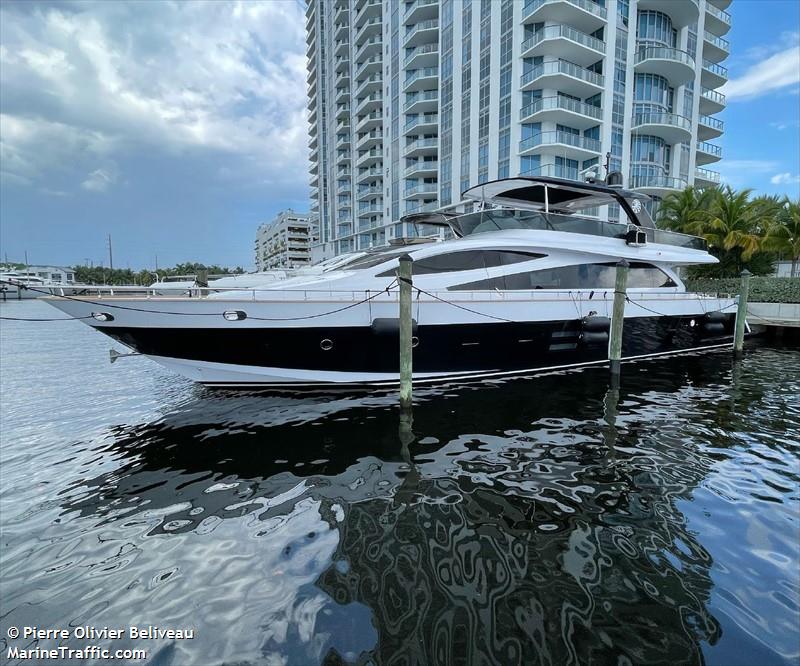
x=524 y=522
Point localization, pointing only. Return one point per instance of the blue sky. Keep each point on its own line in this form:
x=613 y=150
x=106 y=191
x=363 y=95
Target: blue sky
x=179 y=127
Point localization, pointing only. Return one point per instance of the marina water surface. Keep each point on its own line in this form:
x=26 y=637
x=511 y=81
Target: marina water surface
x=549 y=520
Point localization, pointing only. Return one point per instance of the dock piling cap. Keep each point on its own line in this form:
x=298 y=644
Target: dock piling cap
x=405 y=257
x=623 y=263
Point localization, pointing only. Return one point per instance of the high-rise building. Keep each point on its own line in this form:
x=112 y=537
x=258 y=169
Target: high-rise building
x=411 y=103
x=286 y=241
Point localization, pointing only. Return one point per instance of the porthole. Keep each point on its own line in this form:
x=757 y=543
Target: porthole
x=326 y=344
x=234 y=315
x=692 y=323
x=414 y=341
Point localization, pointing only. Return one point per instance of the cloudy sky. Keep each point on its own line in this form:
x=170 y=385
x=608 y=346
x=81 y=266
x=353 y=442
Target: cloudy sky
x=178 y=127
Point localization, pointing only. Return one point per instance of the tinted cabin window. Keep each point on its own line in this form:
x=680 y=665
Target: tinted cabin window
x=580 y=276
x=466 y=261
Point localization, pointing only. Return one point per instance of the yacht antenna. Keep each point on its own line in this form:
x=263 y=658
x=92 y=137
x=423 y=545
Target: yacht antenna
x=546 y=200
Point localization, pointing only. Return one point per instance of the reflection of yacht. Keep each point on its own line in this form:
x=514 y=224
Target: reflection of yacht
x=16 y=285
x=526 y=285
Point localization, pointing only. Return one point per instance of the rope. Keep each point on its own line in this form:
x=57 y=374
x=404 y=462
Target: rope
x=661 y=314
x=106 y=304
x=456 y=305
x=53 y=319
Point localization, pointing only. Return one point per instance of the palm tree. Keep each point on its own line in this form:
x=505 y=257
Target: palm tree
x=733 y=223
x=783 y=236
x=679 y=210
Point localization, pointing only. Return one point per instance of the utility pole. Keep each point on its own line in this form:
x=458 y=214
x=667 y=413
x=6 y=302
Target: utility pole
x=110 y=256
x=26 y=258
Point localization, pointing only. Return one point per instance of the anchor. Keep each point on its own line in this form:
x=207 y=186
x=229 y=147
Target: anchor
x=113 y=355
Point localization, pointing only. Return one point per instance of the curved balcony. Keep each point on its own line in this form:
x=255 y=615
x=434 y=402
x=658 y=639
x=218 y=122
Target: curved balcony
x=418 y=102
x=341 y=47
x=373 y=172
x=369 y=192
x=342 y=63
x=369 y=84
x=369 y=121
x=566 y=42
x=706 y=178
x=421 y=79
x=673 y=64
x=422 y=33
x=422 y=168
x=711 y=101
x=572 y=146
x=562 y=109
x=423 y=123
x=718 y=20
x=721 y=4
x=369 y=139
x=369 y=48
x=425 y=55
x=343 y=157
x=370 y=66
x=565 y=76
x=585 y=15
x=423 y=191
x=421 y=10
x=680 y=12
x=709 y=127
x=370 y=9
x=369 y=103
x=369 y=157
x=422 y=208
x=370 y=210
x=715 y=48
x=713 y=75
x=421 y=147
x=373 y=26
x=342 y=111
x=707 y=153
x=668 y=126
x=658 y=185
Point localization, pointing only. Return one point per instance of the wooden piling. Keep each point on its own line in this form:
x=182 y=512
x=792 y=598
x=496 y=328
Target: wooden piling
x=406 y=327
x=618 y=317
x=741 y=314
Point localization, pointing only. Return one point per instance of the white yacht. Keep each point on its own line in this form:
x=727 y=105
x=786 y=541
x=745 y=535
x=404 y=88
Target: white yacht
x=16 y=285
x=527 y=284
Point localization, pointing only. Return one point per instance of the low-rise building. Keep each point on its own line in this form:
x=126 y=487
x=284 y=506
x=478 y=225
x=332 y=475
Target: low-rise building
x=285 y=242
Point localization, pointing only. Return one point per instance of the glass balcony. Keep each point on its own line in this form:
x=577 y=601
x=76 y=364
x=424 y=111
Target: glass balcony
x=573 y=146
x=668 y=126
x=581 y=115
x=673 y=64
x=565 y=76
x=566 y=42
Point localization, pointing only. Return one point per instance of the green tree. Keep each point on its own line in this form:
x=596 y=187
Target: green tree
x=680 y=210
x=783 y=235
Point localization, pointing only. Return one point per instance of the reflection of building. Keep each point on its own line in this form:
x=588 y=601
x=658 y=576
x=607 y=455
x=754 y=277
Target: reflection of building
x=412 y=103
x=285 y=242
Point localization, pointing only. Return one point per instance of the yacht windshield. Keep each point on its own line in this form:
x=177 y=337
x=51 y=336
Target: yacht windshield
x=505 y=218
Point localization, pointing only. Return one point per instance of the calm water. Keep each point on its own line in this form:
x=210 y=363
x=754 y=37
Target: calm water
x=534 y=521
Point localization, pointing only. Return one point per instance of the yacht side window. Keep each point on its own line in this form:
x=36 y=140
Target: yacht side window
x=578 y=276
x=467 y=260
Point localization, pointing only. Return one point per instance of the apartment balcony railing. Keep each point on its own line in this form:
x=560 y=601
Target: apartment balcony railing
x=418 y=97
x=716 y=98
x=377 y=21
x=422 y=208
x=374 y=60
x=561 y=103
x=709 y=149
x=369 y=191
x=560 y=137
x=368 y=119
x=715 y=68
x=705 y=174
x=414 y=6
x=419 y=74
x=651 y=52
x=421 y=50
x=562 y=67
x=719 y=42
x=369 y=99
x=720 y=14
x=532 y=6
x=424 y=119
x=372 y=172
x=370 y=210
x=714 y=123
x=420 y=144
x=370 y=5
x=344 y=189
x=421 y=167
x=418 y=28
x=377 y=39
x=661 y=118
x=426 y=188
x=364 y=84
x=657 y=182
x=565 y=32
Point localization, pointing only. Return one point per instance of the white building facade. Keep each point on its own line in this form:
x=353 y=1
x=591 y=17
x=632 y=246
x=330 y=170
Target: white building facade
x=285 y=242
x=411 y=103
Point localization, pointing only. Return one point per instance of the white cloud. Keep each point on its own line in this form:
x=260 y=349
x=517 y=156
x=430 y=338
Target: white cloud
x=739 y=173
x=785 y=178
x=99 y=180
x=778 y=67
x=184 y=79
